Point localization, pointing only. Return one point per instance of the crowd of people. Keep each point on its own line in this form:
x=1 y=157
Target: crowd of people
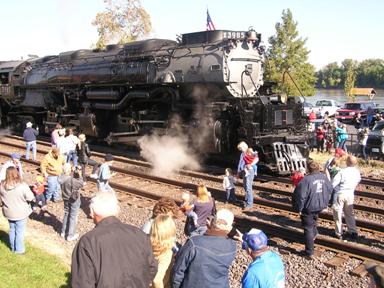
x=115 y=254
x=328 y=134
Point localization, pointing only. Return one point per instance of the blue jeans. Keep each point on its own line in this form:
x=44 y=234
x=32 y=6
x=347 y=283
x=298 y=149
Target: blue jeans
x=364 y=151
x=72 y=156
x=199 y=231
x=53 y=189
x=343 y=145
x=70 y=216
x=247 y=184
x=103 y=186
x=231 y=195
x=30 y=145
x=16 y=235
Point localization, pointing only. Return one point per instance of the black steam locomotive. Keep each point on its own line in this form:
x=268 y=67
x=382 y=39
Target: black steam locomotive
x=208 y=85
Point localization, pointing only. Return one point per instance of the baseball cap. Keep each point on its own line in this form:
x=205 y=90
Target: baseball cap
x=255 y=239
x=224 y=218
x=29 y=124
x=377 y=272
x=108 y=157
x=15 y=155
x=339 y=152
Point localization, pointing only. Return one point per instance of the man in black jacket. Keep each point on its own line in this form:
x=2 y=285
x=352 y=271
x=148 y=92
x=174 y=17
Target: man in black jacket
x=309 y=198
x=113 y=254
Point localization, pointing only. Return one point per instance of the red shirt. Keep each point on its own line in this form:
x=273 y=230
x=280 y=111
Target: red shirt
x=38 y=188
x=312 y=116
x=296 y=178
x=248 y=159
x=320 y=133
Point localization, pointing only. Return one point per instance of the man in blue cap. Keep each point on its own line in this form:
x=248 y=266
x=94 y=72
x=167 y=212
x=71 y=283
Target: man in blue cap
x=14 y=162
x=267 y=268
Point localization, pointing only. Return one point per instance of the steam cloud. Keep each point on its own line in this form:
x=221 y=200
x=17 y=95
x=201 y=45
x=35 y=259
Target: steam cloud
x=167 y=154
x=170 y=153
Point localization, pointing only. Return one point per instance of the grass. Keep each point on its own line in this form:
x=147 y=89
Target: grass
x=34 y=269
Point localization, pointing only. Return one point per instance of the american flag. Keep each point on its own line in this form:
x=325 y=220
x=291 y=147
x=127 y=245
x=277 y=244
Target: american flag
x=210 y=25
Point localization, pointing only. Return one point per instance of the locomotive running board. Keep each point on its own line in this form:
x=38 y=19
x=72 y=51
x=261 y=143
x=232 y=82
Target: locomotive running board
x=288 y=157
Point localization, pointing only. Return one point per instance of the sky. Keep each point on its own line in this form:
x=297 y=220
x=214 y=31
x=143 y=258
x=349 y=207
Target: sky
x=335 y=30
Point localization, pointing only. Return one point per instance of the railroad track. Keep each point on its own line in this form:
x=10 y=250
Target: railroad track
x=171 y=187
x=121 y=161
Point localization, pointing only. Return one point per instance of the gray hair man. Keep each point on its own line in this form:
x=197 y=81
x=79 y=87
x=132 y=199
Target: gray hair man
x=113 y=252
x=344 y=185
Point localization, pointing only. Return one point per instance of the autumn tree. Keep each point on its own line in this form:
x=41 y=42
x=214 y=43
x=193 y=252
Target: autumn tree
x=123 y=21
x=287 y=53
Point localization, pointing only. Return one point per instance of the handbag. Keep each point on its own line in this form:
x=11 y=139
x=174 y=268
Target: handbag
x=75 y=194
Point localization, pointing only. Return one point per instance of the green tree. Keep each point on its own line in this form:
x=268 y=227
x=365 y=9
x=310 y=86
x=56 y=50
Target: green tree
x=370 y=73
x=123 y=21
x=350 y=77
x=330 y=76
x=288 y=53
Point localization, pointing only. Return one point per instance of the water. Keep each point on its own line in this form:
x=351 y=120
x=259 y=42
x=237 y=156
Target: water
x=340 y=97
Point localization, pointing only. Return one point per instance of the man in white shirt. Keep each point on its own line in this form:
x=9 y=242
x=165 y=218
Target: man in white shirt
x=344 y=183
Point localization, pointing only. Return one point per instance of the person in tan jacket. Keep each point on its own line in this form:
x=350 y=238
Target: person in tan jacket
x=51 y=167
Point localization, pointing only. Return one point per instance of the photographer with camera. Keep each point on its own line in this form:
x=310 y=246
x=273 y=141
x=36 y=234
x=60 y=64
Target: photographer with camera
x=71 y=183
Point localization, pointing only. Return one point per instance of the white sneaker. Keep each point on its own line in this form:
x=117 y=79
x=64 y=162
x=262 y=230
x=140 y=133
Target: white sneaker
x=73 y=238
x=93 y=176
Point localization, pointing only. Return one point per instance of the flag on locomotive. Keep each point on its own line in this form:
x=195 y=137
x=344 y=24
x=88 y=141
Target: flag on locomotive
x=210 y=25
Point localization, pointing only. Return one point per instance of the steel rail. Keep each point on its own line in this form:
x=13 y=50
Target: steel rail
x=355 y=250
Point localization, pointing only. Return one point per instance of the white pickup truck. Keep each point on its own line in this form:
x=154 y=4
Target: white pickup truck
x=325 y=105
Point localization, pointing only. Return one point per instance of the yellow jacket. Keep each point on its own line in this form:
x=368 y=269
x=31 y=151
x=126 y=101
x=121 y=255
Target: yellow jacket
x=52 y=166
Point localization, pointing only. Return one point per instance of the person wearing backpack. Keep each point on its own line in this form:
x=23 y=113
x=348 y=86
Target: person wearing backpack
x=71 y=185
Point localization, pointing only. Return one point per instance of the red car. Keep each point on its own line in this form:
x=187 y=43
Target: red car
x=350 y=110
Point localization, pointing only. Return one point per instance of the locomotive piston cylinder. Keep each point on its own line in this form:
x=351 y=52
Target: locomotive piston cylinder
x=102 y=94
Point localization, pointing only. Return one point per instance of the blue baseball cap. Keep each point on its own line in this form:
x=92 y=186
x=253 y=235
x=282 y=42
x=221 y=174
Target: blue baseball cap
x=15 y=155
x=255 y=239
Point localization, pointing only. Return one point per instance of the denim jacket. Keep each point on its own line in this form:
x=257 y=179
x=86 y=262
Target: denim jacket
x=204 y=261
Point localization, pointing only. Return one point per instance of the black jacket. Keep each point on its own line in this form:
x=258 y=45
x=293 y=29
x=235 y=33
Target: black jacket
x=113 y=254
x=83 y=153
x=312 y=194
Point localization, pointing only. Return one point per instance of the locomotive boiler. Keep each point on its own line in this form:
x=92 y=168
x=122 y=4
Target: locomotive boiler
x=207 y=85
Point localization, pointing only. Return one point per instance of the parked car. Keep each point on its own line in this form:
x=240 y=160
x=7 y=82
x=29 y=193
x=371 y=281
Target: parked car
x=326 y=105
x=351 y=109
x=375 y=139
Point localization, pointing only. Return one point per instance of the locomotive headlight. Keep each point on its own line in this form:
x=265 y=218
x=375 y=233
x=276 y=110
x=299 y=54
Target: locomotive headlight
x=283 y=98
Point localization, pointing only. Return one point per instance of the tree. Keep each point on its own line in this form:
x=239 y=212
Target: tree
x=288 y=53
x=123 y=21
x=350 y=77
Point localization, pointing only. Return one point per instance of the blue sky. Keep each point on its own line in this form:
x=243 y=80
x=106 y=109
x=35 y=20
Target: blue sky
x=335 y=30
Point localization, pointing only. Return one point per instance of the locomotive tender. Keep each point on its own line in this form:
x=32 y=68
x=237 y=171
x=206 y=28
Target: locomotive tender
x=208 y=85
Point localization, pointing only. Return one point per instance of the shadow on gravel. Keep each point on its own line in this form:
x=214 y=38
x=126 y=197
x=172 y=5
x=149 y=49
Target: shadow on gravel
x=48 y=218
x=85 y=201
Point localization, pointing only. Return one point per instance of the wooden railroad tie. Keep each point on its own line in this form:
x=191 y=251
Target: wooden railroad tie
x=337 y=261
x=359 y=271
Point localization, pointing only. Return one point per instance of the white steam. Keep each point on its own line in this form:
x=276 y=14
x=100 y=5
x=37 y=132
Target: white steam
x=167 y=154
